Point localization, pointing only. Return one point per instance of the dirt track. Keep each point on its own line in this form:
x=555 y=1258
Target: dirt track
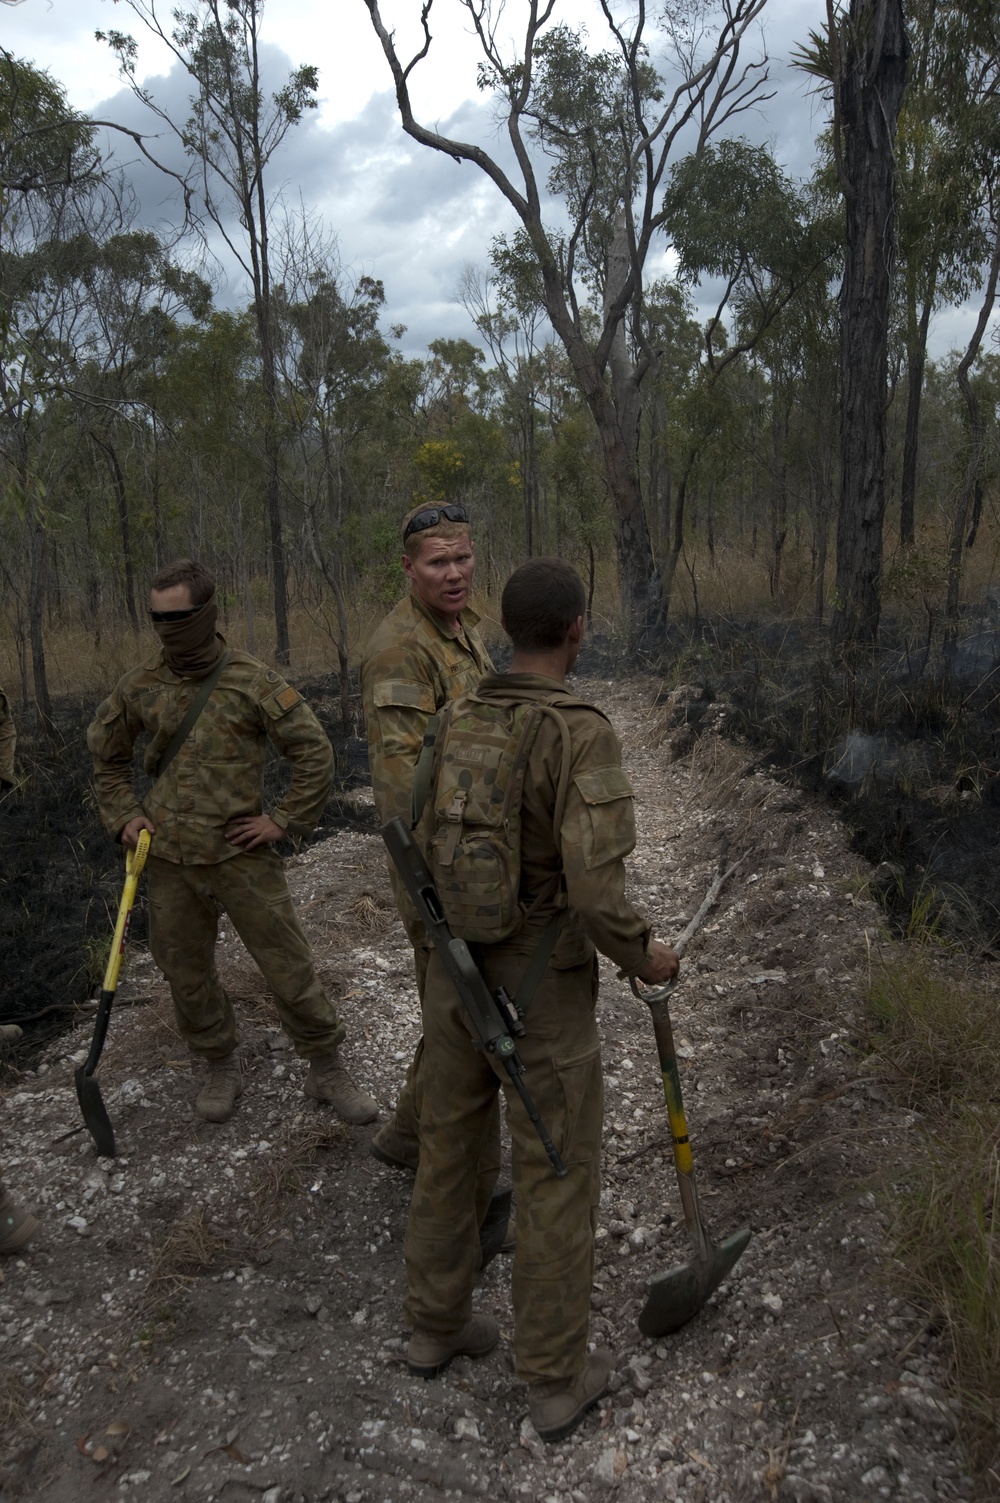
x=215 y=1314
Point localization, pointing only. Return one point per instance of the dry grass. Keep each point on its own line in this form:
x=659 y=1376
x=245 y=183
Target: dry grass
x=189 y=1249
x=283 y=1176
x=370 y=914
x=936 y=1035
x=15 y=1407
x=718 y=767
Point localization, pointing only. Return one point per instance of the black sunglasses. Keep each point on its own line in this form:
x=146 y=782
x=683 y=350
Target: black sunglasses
x=160 y=616
x=432 y=516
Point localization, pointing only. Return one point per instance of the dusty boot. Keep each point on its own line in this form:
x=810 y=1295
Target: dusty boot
x=217 y=1096
x=329 y=1081
x=427 y=1353
x=397 y=1149
x=557 y=1408
x=493 y=1227
x=17 y=1227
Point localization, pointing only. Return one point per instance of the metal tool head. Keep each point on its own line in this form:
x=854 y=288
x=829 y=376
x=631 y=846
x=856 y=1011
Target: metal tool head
x=95 y=1113
x=676 y=1296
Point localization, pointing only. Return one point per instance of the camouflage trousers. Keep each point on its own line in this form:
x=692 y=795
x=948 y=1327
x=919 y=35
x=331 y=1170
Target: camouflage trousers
x=556 y=1219
x=407 y=1109
x=184 y=904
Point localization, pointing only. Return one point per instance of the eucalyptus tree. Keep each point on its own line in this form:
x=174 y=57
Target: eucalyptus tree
x=58 y=198
x=135 y=292
x=333 y=360
x=863 y=56
x=235 y=128
x=605 y=124
x=944 y=124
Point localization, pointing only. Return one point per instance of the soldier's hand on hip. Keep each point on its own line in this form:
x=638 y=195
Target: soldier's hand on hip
x=130 y=832
x=251 y=830
x=661 y=965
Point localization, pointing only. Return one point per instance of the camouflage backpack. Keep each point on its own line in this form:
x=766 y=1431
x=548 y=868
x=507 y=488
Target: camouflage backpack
x=467 y=798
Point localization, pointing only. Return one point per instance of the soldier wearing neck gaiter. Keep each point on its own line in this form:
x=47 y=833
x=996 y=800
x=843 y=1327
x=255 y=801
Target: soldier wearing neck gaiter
x=213 y=843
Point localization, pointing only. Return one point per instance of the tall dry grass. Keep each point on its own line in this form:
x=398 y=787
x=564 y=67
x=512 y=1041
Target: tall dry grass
x=936 y=1032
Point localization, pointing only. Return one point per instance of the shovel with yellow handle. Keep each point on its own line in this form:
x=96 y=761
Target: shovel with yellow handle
x=677 y=1295
x=95 y=1113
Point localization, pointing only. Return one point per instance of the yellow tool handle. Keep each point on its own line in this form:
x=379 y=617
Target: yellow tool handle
x=134 y=863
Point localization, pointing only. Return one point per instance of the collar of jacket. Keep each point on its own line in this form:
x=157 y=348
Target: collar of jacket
x=525 y=686
x=467 y=618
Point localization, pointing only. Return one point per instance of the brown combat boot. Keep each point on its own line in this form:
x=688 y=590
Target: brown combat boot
x=557 y=1408
x=17 y=1227
x=427 y=1353
x=217 y=1097
x=397 y=1149
x=329 y=1081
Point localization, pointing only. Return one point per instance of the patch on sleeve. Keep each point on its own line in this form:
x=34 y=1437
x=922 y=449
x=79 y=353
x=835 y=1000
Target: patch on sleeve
x=404 y=696
x=608 y=819
x=603 y=785
x=280 y=703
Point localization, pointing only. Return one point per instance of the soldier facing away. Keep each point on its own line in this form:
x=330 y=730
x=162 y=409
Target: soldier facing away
x=425 y=653
x=577 y=868
x=212 y=842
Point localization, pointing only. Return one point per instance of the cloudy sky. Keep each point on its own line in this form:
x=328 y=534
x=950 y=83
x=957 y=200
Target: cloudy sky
x=398 y=211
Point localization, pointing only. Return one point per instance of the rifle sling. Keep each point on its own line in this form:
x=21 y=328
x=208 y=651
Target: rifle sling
x=540 y=957
x=187 y=725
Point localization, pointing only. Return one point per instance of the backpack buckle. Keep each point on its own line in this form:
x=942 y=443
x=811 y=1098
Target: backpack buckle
x=454 y=815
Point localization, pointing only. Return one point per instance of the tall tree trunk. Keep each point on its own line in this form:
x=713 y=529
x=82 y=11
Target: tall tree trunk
x=970 y=492
x=121 y=497
x=916 y=358
x=36 y=614
x=870 y=72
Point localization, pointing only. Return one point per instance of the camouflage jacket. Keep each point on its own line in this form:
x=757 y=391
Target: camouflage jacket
x=8 y=740
x=218 y=772
x=412 y=666
x=596 y=834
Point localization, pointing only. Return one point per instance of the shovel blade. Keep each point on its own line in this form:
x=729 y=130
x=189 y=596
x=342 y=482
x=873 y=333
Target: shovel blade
x=95 y=1113
x=676 y=1296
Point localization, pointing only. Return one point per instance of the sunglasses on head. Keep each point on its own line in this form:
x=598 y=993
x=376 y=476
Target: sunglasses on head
x=431 y=516
x=160 y=616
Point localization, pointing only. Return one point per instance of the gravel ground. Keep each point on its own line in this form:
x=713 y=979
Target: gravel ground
x=216 y=1313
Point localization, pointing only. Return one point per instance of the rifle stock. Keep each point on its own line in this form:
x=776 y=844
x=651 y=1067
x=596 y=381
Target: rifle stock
x=495 y=1020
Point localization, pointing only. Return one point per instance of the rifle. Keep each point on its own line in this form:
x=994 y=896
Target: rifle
x=495 y=1016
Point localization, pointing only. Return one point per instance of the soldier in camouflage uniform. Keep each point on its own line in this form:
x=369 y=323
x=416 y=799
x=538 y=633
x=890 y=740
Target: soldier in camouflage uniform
x=8 y=741
x=543 y=606
x=425 y=653
x=212 y=844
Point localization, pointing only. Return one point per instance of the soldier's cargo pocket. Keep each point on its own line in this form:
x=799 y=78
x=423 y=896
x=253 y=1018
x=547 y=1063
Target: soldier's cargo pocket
x=580 y=1084
x=608 y=825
